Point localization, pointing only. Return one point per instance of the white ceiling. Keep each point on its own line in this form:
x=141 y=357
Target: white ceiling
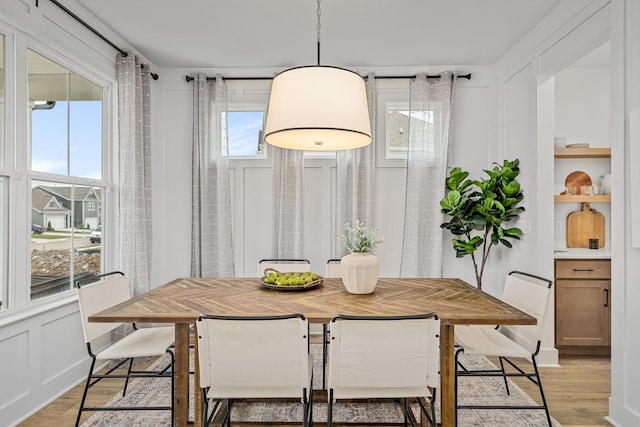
x=354 y=33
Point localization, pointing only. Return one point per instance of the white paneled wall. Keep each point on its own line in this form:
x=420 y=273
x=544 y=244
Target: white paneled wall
x=474 y=149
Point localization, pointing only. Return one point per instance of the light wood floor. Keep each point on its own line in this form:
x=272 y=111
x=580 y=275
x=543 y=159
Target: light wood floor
x=577 y=394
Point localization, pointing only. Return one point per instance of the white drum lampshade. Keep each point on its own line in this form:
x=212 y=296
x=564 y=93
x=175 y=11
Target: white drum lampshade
x=318 y=108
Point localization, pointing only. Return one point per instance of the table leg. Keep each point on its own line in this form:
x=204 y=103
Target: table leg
x=447 y=376
x=181 y=396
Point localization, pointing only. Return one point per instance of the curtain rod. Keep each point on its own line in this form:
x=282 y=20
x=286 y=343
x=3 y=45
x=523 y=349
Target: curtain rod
x=436 y=76
x=93 y=30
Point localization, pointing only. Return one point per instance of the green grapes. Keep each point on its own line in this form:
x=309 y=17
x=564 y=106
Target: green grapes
x=290 y=279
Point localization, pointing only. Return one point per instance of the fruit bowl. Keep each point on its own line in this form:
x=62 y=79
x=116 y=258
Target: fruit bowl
x=298 y=281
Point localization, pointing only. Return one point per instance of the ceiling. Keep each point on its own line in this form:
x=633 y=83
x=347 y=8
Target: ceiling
x=354 y=33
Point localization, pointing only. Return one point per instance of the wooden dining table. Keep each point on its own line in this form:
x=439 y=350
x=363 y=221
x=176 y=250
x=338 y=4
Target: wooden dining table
x=181 y=301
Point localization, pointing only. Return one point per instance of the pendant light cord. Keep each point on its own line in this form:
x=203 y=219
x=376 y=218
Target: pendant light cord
x=318 y=26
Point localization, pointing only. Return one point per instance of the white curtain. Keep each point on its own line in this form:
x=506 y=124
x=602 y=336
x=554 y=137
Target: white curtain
x=211 y=232
x=430 y=137
x=355 y=180
x=288 y=190
x=134 y=172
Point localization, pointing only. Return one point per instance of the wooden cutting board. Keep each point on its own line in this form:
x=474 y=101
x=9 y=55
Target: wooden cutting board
x=584 y=225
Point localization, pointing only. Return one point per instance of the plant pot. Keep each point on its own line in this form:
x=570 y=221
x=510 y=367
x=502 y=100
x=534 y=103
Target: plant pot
x=360 y=271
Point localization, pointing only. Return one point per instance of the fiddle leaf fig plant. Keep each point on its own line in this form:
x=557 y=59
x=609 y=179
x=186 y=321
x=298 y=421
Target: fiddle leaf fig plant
x=479 y=210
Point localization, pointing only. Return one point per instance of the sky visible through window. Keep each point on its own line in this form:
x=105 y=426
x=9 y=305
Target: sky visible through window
x=243 y=129
x=50 y=139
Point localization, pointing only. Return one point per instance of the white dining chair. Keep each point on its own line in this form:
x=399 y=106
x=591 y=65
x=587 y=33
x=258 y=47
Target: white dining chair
x=385 y=357
x=139 y=343
x=332 y=268
x=254 y=357
x=517 y=345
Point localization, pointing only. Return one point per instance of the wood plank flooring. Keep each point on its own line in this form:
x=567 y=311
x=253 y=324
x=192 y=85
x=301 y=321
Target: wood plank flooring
x=577 y=394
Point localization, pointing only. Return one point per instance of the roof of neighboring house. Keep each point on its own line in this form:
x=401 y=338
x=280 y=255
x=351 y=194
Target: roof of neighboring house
x=40 y=200
x=81 y=193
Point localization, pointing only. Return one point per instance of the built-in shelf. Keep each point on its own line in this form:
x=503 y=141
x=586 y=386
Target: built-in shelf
x=582 y=153
x=601 y=198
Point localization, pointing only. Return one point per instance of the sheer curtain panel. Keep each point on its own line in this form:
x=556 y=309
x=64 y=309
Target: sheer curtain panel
x=134 y=172
x=355 y=179
x=288 y=192
x=430 y=138
x=211 y=233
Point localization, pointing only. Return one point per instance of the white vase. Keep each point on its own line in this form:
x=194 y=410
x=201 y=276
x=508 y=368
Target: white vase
x=360 y=271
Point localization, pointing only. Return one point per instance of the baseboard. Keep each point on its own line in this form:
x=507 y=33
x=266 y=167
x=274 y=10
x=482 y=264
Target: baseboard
x=548 y=358
x=577 y=350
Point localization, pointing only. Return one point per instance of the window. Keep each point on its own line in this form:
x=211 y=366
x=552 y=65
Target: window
x=244 y=133
x=65 y=176
x=399 y=120
x=66 y=120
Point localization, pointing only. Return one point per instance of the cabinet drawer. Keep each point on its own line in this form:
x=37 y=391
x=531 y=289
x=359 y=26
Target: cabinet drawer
x=583 y=269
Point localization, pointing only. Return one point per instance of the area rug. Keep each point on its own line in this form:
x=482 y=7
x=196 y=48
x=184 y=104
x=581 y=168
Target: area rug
x=483 y=391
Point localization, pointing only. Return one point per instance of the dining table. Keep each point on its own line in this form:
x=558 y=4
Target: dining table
x=180 y=301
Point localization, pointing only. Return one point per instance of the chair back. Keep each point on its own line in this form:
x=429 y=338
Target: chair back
x=383 y=356
x=530 y=294
x=97 y=297
x=333 y=269
x=259 y=356
x=284 y=265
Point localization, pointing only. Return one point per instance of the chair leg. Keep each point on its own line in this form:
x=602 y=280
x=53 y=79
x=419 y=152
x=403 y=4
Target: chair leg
x=311 y=407
x=126 y=381
x=330 y=410
x=305 y=409
x=544 y=400
x=506 y=383
x=434 y=422
x=86 y=390
x=205 y=407
x=405 y=408
x=455 y=383
x=325 y=345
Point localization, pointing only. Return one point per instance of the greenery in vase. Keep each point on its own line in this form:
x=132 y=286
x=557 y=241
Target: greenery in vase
x=358 y=238
x=479 y=210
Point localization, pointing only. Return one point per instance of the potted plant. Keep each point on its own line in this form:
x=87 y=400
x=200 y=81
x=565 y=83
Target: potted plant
x=479 y=211
x=359 y=269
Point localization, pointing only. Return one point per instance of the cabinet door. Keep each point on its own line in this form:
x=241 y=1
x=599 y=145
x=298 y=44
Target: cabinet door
x=582 y=312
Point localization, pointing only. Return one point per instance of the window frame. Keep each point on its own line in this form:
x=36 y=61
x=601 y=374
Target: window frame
x=391 y=92
x=16 y=277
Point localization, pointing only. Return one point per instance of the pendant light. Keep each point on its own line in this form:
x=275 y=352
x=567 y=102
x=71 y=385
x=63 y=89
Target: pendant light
x=318 y=108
